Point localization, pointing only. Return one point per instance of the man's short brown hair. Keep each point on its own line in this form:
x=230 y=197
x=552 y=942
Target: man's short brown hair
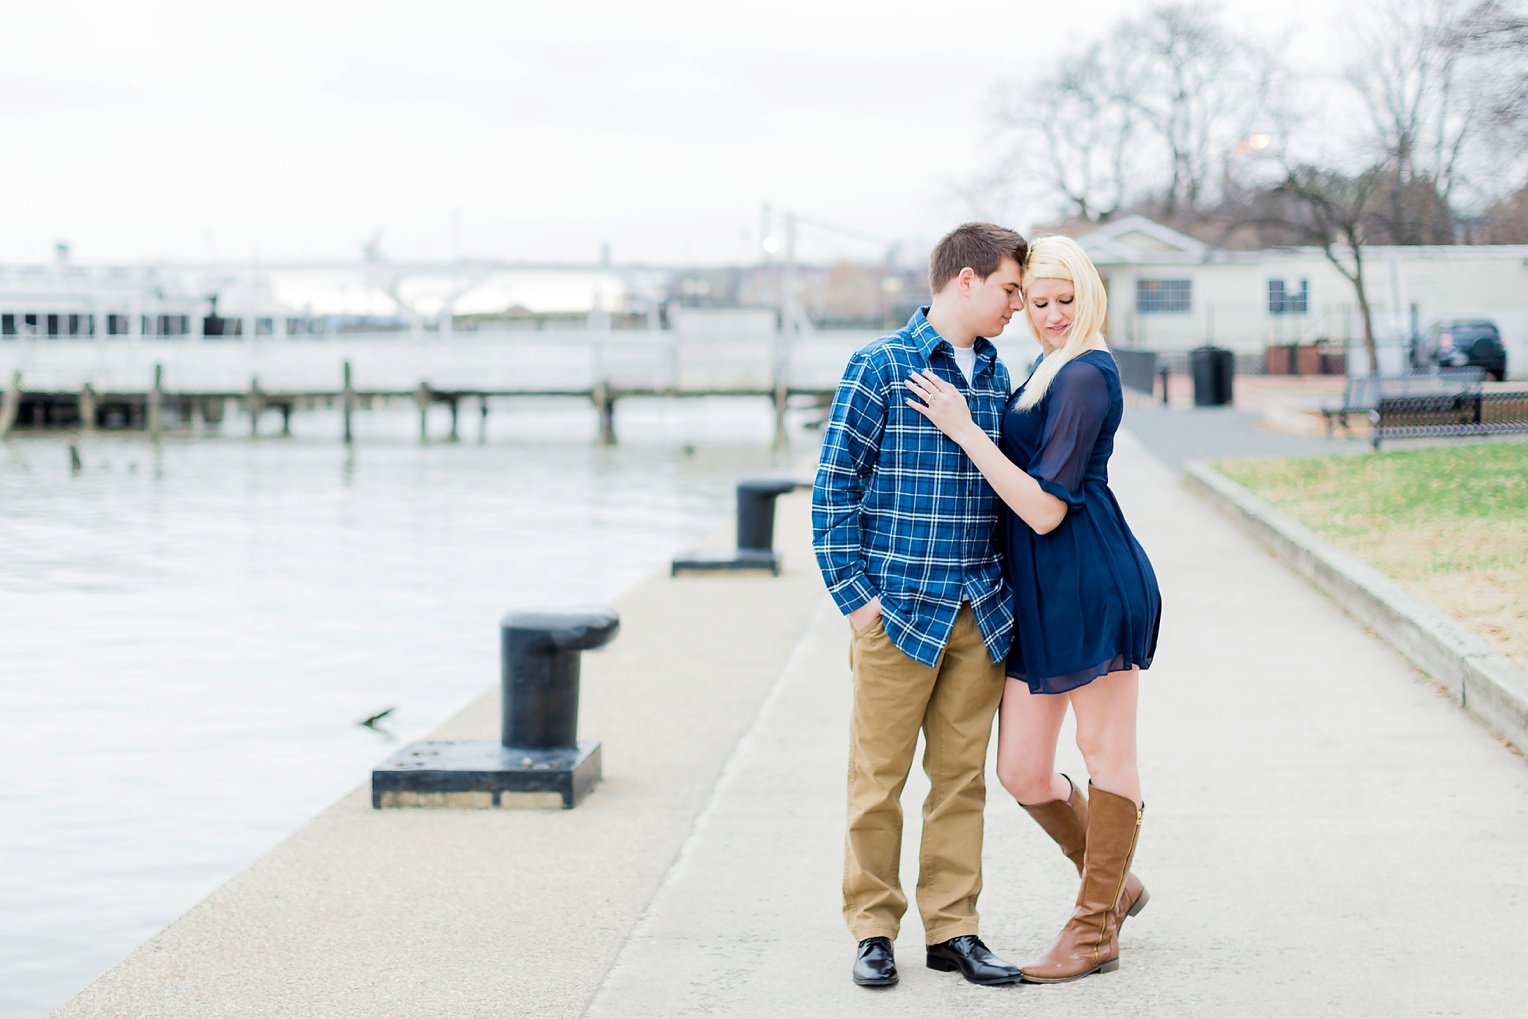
x=979 y=246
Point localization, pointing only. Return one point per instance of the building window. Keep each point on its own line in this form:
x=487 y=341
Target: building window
x=1284 y=299
x=1166 y=297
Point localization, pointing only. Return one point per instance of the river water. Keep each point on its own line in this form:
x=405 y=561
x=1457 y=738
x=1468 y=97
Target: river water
x=190 y=633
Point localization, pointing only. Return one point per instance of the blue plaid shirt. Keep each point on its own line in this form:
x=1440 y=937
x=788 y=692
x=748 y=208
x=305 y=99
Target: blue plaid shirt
x=899 y=510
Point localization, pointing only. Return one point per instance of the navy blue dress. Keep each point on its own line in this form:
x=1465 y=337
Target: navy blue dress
x=1086 y=601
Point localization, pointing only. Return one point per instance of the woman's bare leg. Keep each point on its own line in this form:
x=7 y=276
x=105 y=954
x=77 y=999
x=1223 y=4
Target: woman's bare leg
x=1027 y=730
x=1106 y=710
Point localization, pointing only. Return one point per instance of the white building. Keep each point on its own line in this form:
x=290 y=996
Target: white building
x=1170 y=292
x=199 y=301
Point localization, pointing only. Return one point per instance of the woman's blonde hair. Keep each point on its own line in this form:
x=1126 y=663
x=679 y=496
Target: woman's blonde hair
x=1061 y=258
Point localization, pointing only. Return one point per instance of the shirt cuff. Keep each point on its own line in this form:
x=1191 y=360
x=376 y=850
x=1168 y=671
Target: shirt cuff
x=853 y=593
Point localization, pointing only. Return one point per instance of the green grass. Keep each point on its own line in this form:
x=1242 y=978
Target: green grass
x=1451 y=522
x=1358 y=498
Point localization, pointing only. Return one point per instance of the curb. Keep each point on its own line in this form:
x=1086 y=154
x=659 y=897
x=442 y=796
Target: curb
x=1484 y=681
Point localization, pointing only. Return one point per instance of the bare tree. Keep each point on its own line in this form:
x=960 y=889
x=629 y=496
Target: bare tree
x=1198 y=89
x=1431 y=76
x=1147 y=119
x=1496 y=32
x=1333 y=210
x=1073 y=137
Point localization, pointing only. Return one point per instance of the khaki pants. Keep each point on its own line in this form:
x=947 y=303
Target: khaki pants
x=953 y=703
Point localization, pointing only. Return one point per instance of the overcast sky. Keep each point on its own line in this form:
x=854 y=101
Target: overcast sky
x=280 y=130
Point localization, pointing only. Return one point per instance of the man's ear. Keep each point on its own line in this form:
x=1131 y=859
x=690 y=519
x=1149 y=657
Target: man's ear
x=965 y=280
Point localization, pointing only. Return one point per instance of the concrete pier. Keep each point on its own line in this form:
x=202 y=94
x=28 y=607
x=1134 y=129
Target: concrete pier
x=1325 y=834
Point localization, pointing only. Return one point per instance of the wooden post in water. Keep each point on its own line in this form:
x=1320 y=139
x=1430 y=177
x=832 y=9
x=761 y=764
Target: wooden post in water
x=10 y=406
x=782 y=394
x=451 y=402
x=347 y=404
x=155 y=422
x=422 y=397
x=482 y=419
x=87 y=409
x=286 y=418
x=255 y=401
x=604 y=402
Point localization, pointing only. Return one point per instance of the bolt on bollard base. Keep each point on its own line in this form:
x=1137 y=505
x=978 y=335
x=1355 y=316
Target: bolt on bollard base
x=539 y=761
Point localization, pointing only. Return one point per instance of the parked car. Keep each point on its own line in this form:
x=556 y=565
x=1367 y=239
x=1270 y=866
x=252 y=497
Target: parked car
x=1459 y=343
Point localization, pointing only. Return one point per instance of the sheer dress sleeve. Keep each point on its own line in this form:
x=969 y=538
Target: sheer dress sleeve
x=1076 y=407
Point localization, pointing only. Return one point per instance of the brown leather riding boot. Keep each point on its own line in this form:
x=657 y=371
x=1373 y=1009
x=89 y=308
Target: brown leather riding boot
x=1089 y=943
x=1066 y=822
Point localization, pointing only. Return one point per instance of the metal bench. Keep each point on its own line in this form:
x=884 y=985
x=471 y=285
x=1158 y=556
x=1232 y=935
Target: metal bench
x=1363 y=394
x=1417 y=417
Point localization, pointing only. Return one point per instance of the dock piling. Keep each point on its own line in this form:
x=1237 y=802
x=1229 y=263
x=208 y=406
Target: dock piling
x=452 y=403
x=782 y=396
x=256 y=403
x=422 y=397
x=482 y=419
x=87 y=409
x=155 y=422
x=347 y=404
x=604 y=402
x=10 y=406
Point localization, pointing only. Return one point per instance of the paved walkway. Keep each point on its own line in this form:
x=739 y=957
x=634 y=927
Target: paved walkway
x=1325 y=834
x=1176 y=436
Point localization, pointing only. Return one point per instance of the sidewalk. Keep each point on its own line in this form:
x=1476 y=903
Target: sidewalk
x=1176 y=436
x=1325 y=834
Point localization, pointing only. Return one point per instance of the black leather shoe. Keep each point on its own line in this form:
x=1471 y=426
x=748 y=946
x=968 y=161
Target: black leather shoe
x=874 y=965
x=970 y=958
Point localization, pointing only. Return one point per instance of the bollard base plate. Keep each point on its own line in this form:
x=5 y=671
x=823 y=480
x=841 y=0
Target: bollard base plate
x=485 y=774
x=736 y=560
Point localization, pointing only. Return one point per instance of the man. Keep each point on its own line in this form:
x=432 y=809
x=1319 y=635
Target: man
x=903 y=527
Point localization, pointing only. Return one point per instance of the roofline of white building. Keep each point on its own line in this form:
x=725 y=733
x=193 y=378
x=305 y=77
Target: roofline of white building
x=1105 y=248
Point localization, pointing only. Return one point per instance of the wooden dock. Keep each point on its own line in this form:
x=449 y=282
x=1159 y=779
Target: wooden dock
x=87 y=409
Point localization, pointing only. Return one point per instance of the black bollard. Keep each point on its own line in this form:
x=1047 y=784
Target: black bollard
x=539 y=655
x=755 y=532
x=538 y=760
x=756 y=510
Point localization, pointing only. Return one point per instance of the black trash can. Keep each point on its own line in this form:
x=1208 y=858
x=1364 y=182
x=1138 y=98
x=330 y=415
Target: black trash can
x=1213 y=368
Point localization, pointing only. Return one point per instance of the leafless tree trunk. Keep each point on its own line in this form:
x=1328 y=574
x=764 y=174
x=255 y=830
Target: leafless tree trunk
x=1312 y=205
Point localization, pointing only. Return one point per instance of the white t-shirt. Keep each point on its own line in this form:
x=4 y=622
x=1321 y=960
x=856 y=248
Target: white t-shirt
x=966 y=358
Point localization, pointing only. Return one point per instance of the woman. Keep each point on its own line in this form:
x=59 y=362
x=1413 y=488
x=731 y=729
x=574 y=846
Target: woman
x=1086 y=604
